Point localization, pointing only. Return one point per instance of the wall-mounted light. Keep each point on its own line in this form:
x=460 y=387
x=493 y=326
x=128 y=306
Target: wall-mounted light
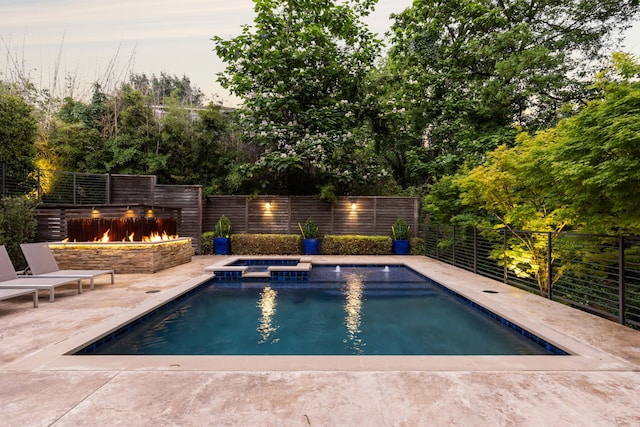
x=267 y=206
x=95 y=213
x=353 y=206
x=149 y=213
x=129 y=213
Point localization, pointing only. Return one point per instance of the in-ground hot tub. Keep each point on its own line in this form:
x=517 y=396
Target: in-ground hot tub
x=123 y=257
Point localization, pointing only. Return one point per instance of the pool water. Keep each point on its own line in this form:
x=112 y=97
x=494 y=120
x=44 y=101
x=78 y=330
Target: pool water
x=353 y=311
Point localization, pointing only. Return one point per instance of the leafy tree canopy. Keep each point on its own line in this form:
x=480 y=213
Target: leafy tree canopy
x=583 y=174
x=468 y=71
x=18 y=130
x=300 y=71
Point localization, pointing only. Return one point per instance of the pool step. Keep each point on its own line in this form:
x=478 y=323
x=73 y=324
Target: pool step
x=288 y=272
x=256 y=274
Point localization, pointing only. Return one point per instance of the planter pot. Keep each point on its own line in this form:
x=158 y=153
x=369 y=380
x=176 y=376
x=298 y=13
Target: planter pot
x=222 y=245
x=310 y=246
x=400 y=247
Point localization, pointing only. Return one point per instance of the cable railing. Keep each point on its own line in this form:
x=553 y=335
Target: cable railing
x=596 y=273
x=57 y=187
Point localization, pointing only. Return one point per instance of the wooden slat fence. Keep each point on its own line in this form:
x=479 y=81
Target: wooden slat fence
x=372 y=215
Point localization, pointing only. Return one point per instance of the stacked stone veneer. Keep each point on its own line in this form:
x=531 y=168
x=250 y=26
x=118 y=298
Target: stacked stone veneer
x=122 y=257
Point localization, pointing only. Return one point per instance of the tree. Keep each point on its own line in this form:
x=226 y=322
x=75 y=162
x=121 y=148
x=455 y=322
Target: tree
x=596 y=163
x=158 y=89
x=300 y=72
x=469 y=70
x=18 y=129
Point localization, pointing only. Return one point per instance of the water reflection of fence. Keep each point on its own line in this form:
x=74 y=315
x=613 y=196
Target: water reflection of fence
x=598 y=274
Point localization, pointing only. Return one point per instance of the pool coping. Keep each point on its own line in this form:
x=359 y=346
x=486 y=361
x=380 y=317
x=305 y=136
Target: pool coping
x=583 y=356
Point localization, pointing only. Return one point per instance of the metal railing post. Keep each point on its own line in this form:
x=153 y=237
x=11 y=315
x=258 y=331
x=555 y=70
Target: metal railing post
x=3 y=179
x=505 y=272
x=453 y=247
x=475 y=250
x=621 y=282
x=39 y=187
x=549 y=265
x=74 y=188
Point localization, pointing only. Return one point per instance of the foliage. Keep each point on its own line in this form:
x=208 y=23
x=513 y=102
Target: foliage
x=160 y=89
x=355 y=245
x=582 y=175
x=300 y=71
x=266 y=244
x=17 y=138
x=17 y=225
x=416 y=244
x=400 y=229
x=596 y=157
x=462 y=74
x=207 y=243
x=310 y=229
x=222 y=227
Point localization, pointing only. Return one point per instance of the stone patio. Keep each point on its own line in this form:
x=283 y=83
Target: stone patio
x=598 y=386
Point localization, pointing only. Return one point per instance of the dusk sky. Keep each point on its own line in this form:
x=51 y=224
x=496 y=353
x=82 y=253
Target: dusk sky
x=104 y=41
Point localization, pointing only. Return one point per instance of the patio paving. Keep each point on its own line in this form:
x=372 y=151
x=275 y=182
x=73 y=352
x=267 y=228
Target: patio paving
x=40 y=387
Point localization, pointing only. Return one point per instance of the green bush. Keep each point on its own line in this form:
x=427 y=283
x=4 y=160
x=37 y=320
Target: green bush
x=207 y=243
x=18 y=225
x=222 y=227
x=266 y=244
x=355 y=245
x=417 y=246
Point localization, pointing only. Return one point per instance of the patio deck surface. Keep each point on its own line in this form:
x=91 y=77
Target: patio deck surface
x=597 y=386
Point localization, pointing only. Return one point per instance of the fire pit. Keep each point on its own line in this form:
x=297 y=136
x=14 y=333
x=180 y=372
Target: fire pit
x=126 y=245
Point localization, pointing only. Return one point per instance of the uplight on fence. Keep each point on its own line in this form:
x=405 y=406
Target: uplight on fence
x=267 y=206
x=354 y=206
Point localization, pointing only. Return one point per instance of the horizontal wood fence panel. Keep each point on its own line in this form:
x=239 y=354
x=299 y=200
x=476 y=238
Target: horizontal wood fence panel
x=133 y=189
x=369 y=216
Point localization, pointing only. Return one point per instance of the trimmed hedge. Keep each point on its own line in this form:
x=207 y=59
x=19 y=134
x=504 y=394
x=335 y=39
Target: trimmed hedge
x=355 y=245
x=291 y=244
x=266 y=244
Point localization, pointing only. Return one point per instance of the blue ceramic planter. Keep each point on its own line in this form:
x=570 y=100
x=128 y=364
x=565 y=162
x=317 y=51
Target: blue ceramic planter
x=400 y=247
x=222 y=245
x=310 y=246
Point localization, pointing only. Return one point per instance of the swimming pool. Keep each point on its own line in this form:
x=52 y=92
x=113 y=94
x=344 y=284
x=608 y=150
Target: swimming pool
x=343 y=310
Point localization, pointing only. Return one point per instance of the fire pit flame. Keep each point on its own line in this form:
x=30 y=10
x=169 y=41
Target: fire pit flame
x=121 y=230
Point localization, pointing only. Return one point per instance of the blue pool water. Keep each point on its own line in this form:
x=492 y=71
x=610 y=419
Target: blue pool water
x=341 y=311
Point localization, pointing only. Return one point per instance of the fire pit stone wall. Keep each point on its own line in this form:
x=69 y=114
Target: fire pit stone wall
x=123 y=257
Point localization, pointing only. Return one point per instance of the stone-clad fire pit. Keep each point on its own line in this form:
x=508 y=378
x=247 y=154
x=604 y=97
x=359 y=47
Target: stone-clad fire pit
x=126 y=245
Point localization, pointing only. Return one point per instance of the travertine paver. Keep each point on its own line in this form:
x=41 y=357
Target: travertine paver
x=176 y=396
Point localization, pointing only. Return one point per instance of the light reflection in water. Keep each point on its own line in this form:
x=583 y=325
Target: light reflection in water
x=353 y=292
x=267 y=305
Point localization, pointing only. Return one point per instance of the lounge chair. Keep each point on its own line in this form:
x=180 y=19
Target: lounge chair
x=12 y=293
x=42 y=263
x=10 y=280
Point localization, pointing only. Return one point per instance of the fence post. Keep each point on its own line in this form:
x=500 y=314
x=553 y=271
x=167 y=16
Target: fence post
x=453 y=247
x=505 y=272
x=549 y=266
x=74 y=188
x=475 y=250
x=621 y=282
x=39 y=187
x=3 y=182
x=437 y=243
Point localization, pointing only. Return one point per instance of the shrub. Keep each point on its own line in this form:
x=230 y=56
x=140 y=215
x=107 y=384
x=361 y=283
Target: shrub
x=207 y=243
x=417 y=246
x=222 y=227
x=355 y=245
x=400 y=229
x=310 y=229
x=266 y=244
x=18 y=225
